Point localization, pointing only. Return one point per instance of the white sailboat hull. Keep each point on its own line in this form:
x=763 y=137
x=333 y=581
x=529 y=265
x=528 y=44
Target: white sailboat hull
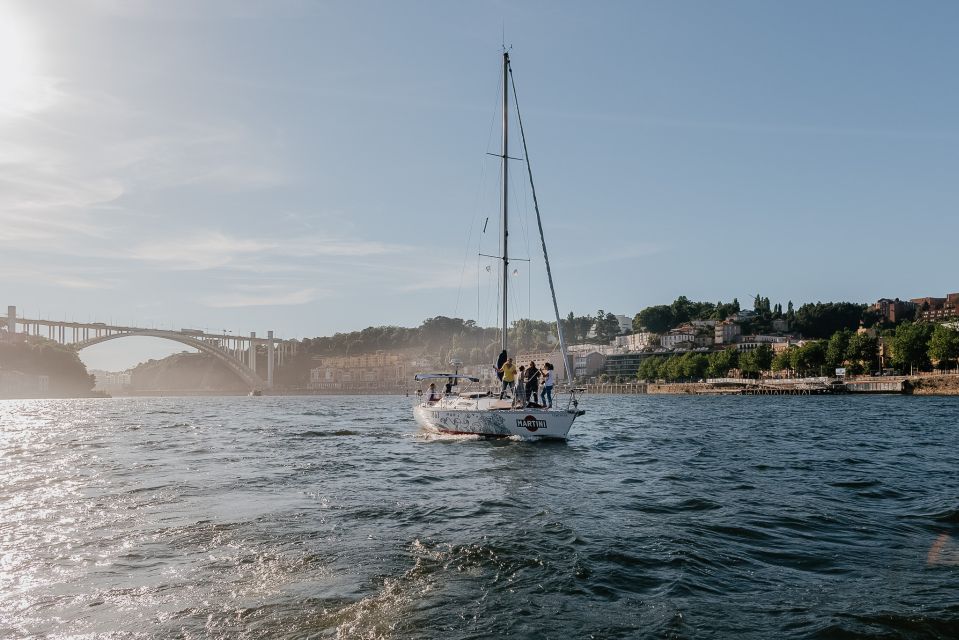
x=472 y=418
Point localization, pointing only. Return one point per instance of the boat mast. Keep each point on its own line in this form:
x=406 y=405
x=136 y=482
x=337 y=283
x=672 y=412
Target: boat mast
x=504 y=190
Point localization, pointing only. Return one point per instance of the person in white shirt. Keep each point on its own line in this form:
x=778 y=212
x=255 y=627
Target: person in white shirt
x=548 y=382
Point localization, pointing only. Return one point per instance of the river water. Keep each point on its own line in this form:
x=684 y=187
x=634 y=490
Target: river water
x=662 y=517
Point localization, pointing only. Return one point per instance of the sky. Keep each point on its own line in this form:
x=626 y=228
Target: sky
x=319 y=167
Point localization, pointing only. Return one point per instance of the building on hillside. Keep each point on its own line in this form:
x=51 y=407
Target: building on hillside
x=726 y=332
x=111 y=380
x=636 y=341
x=704 y=324
x=677 y=338
x=748 y=343
x=16 y=384
x=554 y=358
x=872 y=332
x=938 y=309
x=588 y=364
x=624 y=366
x=366 y=371
x=893 y=311
x=781 y=325
x=928 y=302
x=788 y=344
x=605 y=349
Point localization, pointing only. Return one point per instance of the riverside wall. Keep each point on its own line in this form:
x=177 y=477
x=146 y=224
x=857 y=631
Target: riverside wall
x=925 y=384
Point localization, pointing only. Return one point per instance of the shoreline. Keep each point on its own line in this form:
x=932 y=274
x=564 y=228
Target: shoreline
x=917 y=385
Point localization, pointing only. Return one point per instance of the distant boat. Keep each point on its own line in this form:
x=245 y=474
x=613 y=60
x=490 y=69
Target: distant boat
x=255 y=393
x=474 y=412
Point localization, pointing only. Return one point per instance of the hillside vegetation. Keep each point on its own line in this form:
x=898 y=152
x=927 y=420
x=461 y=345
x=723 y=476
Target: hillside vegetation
x=39 y=356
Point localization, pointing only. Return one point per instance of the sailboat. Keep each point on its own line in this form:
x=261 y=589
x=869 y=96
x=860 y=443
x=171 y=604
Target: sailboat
x=483 y=413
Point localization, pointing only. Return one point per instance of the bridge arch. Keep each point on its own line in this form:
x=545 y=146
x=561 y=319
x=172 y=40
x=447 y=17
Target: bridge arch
x=244 y=372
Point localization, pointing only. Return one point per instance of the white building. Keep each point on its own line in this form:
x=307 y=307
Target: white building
x=726 y=332
x=748 y=343
x=636 y=341
x=672 y=340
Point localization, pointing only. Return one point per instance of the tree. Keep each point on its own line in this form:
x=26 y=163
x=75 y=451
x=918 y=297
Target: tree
x=680 y=310
x=612 y=325
x=576 y=328
x=720 y=362
x=657 y=319
x=649 y=368
x=910 y=345
x=748 y=365
x=764 y=357
x=944 y=345
x=809 y=358
x=821 y=320
x=694 y=366
x=672 y=369
x=863 y=352
x=757 y=360
x=781 y=360
x=836 y=348
x=606 y=327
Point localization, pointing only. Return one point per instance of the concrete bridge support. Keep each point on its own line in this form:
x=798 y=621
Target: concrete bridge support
x=269 y=359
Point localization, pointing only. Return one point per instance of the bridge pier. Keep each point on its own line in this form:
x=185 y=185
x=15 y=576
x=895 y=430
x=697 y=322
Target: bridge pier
x=269 y=359
x=252 y=352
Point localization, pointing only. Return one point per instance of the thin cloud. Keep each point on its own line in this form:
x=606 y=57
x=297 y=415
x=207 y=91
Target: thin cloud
x=213 y=249
x=777 y=128
x=617 y=254
x=200 y=252
x=262 y=296
x=57 y=278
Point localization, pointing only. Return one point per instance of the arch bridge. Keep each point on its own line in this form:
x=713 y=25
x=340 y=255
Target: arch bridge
x=237 y=352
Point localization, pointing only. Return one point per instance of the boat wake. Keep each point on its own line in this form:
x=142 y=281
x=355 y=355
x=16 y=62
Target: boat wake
x=434 y=435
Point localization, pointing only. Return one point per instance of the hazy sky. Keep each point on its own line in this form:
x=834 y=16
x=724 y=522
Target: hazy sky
x=313 y=167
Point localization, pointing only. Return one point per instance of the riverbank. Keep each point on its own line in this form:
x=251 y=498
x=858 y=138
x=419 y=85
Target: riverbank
x=922 y=384
x=934 y=385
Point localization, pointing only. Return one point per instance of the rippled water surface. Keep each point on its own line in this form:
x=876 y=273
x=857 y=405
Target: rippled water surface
x=662 y=517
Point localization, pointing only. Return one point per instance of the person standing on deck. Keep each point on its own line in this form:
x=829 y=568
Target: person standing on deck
x=508 y=372
x=548 y=383
x=519 y=398
x=532 y=383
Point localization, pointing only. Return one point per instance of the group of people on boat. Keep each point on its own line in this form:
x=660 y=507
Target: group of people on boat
x=524 y=383
x=525 y=386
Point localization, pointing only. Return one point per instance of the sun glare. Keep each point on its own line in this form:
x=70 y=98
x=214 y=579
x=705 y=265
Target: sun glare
x=22 y=87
